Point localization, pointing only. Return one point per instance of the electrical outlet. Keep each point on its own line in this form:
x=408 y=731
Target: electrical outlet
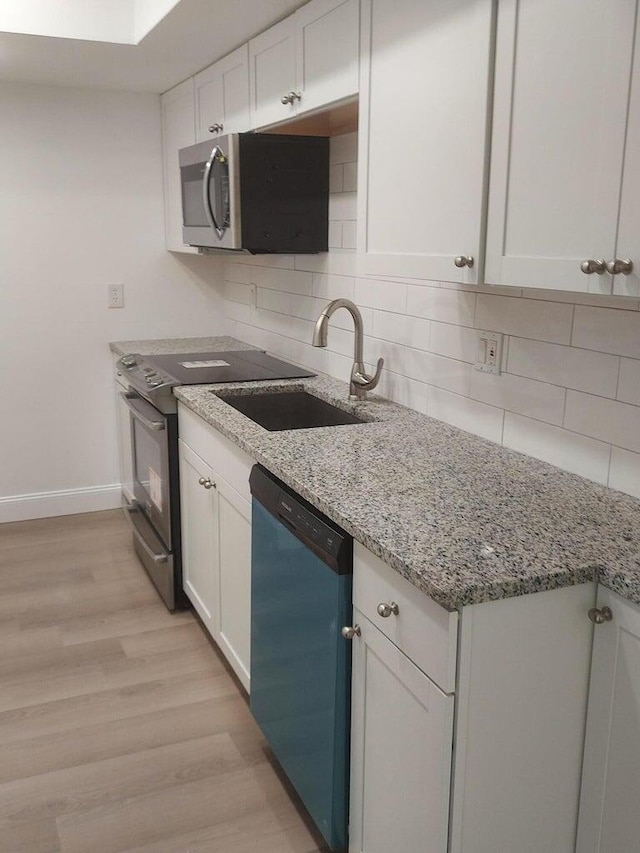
x=489 y=356
x=115 y=296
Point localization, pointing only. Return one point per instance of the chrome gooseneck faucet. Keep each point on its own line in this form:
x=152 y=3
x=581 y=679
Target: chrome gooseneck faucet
x=361 y=382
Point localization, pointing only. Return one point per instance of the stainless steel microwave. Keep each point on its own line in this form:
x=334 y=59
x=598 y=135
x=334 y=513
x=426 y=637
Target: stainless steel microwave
x=256 y=192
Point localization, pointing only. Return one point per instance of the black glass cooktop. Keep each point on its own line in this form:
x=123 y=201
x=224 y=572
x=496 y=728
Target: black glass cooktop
x=203 y=368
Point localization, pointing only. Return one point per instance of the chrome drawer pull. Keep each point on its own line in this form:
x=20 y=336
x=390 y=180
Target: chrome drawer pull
x=386 y=610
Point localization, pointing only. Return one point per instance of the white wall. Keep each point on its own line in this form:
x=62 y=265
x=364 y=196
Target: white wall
x=570 y=393
x=80 y=206
x=74 y=19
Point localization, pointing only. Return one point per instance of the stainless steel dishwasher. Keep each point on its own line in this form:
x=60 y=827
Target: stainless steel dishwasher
x=301 y=583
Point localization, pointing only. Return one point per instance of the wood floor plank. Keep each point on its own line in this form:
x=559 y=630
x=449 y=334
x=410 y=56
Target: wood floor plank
x=121 y=728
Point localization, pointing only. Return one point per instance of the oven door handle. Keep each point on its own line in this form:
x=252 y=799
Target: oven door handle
x=129 y=510
x=130 y=397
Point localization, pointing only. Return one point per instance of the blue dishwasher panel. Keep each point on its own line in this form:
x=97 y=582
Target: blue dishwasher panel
x=301 y=668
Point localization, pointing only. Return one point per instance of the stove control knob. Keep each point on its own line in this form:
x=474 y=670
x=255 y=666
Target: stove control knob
x=128 y=361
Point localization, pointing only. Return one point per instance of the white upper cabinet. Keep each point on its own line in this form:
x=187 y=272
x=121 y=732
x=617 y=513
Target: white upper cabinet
x=305 y=62
x=628 y=247
x=562 y=79
x=178 y=131
x=222 y=96
x=424 y=84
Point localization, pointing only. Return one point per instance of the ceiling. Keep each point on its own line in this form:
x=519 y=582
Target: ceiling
x=192 y=35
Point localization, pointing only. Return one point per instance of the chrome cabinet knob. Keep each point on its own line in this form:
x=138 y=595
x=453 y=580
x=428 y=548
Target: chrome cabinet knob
x=600 y=615
x=207 y=483
x=291 y=97
x=349 y=633
x=590 y=266
x=216 y=128
x=617 y=267
x=385 y=610
x=464 y=261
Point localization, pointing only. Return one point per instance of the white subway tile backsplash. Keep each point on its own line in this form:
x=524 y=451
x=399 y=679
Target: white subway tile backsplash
x=606 y=330
x=470 y=415
x=595 y=299
x=607 y=420
x=336 y=178
x=292 y=281
x=557 y=446
x=385 y=295
x=344 y=148
x=407 y=392
x=526 y=318
x=452 y=341
x=237 y=292
x=515 y=394
x=629 y=385
x=349 y=234
x=335 y=263
x=342 y=206
x=240 y=273
x=335 y=235
x=436 y=303
x=350 y=178
x=274 y=300
x=580 y=369
x=332 y=286
x=410 y=331
x=624 y=474
x=570 y=390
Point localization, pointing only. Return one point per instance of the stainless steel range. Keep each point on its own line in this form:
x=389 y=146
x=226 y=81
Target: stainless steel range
x=155 y=512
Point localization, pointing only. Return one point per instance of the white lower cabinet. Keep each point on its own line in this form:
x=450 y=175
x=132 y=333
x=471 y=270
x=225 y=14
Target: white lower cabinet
x=216 y=537
x=503 y=772
x=401 y=751
x=609 y=814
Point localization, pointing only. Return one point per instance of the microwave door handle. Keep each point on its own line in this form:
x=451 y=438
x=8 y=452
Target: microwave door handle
x=129 y=398
x=206 y=198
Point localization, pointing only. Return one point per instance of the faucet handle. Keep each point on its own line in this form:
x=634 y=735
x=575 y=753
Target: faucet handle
x=363 y=380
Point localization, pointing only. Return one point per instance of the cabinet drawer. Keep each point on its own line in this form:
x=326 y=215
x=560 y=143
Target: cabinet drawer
x=422 y=629
x=226 y=458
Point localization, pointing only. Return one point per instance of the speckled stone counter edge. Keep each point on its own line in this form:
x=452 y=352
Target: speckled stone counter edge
x=453 y=578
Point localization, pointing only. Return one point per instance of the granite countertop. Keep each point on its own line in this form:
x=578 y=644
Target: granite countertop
x=461 y=518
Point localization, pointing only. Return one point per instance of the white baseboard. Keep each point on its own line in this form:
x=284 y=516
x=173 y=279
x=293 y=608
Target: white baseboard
x=65 y=502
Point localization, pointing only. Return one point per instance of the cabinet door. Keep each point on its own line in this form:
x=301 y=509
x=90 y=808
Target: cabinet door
x=272 y=73
x=327 y=39
x=609 y=820
x=401 y=743
x=424 y=81
x=178 y=131
x=560 y=108
x=199 y=520
x=234 y=579
x=222 y=96
x=629 y=227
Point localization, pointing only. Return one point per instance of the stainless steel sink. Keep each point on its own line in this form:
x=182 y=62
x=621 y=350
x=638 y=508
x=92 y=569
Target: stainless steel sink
x=289 y=410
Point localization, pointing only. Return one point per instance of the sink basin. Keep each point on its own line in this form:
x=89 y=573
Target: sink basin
x=290 y=410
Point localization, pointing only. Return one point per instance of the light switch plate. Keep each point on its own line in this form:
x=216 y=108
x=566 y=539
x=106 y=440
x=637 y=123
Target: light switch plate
x=489 y=352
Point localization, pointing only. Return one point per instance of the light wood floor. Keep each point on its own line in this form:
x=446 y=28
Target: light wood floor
x=120 y=727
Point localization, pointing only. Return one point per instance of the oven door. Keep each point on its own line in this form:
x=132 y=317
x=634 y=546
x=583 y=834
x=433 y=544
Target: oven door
x=210 y=185
x=150 y=452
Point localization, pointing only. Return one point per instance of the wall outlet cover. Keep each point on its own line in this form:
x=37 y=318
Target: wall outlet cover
x=489 y=353
x=115 y=297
